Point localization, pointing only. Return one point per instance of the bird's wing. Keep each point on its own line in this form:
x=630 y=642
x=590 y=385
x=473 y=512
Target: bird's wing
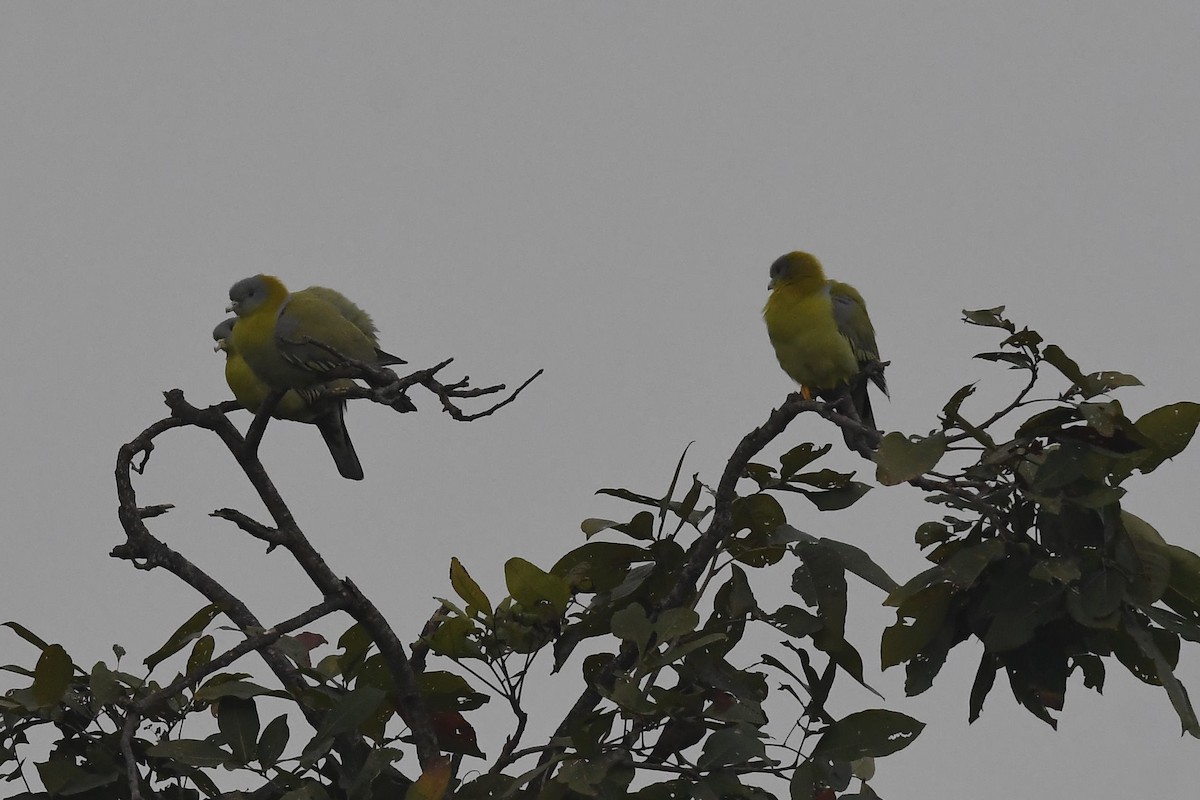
x=308 y=317
x=348 y=309
x=850 y=316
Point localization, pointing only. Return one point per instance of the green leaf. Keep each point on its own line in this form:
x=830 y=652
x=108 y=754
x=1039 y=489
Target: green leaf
x=1171 y=429
x=950 y=410
x=1166 y=676
x=1172 y=623
x=355 y=708
x=795 y=621
x=202 y=652
x=732 y=746
x=761 y=474
x=187 y=632
x=1058 y=570
x=823 y=571
x=1097 y=601
x=630 y=697
x=445 y=691
x=1104 y=418
x=641 y=527
x=273 y=742
x=52 y=676
x=666 y=503
x=685 y=646
x=960 y=569
x=1154 y=561
x=27 y=635
x=237 y=719
x=466 y=588
x=1048 y=422
x=985 y=678
x=844 y=655
x=196 y=752
x=837 y=499
x=1055 y=357
x=1025 y=338
x=858 y=562
x=803 y=785
x=931 y=533
x=1183 y=588
x=675 y=789
x=220 y=687
x=533 y=588
x=760 y=514
x=686 y=509
x=1018 y=606
x=105 y=688
x=1061 y=466
x=62 y=778
x=454 y=638
x=901 y=459
x=988 y=318
x=355 y=643
x=631 y=624
x=1092 y=668
x=675 y=622
x=927 y=611
x=800 y=457
x=598 y=566
x=823 y=479
x=875 y=732
x=1017 y=360
x=1109 y=380
x=735 y=598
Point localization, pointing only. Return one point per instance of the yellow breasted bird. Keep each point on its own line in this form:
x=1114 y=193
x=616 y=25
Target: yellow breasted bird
x=277 y=333
x=326 y=413
x=822 y=335
x=278 y=336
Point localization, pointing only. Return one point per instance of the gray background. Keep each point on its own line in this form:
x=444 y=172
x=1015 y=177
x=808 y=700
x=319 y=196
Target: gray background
x=598 y=190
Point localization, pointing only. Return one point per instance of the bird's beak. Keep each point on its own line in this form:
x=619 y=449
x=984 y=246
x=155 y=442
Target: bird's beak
x=232 y=307
x=770 y=286
x=221 y=345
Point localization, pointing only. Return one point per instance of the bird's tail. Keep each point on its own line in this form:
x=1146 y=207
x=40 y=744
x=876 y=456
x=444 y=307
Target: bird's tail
x=856 y=393
x=862 y=402
x=332 y=426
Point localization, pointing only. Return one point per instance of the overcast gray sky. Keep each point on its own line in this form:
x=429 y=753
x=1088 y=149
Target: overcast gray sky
x=598 y=190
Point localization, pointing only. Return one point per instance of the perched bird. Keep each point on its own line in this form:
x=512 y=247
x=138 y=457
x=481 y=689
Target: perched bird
x=278 y=333
x=822 y=335
x=326 y=413
x=279 y=338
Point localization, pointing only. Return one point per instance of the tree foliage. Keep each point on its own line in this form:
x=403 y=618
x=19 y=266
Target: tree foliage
x=688 y=686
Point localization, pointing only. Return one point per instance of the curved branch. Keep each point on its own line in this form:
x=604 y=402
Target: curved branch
x=147 y=552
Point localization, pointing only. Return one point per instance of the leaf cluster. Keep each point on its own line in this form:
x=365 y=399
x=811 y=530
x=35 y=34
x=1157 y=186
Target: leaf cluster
x=1035 y=558
x=688 y=685
x=673 y=683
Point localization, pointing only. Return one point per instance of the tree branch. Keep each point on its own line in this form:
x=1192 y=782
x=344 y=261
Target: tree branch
x=701 y=554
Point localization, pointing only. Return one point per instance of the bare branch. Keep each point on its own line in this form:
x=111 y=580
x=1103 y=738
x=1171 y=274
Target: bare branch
x=251 y=526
